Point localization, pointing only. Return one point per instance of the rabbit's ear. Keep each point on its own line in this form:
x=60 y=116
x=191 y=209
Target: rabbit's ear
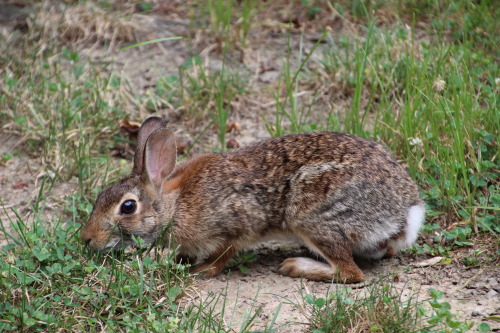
x=148 y=126
x=160 y=154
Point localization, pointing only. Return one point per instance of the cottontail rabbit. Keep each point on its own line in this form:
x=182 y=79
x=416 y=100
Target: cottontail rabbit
x=339 y=194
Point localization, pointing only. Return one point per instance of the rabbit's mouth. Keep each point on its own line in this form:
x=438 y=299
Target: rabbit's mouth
x=113 y=244
x=121 y=242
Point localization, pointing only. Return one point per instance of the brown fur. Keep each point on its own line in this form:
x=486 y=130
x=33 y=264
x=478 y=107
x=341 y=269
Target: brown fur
x=390 y=250
x=217 y=260
x=341 y=195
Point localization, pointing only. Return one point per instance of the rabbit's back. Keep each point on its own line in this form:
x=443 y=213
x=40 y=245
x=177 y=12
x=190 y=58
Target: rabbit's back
x=283 y=156
x=332 y=184
x=326 y=159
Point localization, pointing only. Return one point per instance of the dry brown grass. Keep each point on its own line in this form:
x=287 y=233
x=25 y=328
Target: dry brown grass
x=86 y=24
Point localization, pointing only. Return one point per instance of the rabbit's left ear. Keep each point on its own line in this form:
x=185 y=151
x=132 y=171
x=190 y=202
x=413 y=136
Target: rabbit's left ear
x=159 y=156
x=147 y=128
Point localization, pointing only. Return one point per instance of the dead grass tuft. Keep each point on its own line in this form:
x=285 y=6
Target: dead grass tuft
x=87 y=24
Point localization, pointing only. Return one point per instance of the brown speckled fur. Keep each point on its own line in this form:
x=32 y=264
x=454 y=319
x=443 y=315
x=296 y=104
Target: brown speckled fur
x=334 y=191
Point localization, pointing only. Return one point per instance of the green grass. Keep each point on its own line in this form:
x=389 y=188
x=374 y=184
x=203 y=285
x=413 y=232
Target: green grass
x=66 y=109
x=433 y=102
x=228 y=21
x=208 y=95
x=379 y=307
x=55 y=283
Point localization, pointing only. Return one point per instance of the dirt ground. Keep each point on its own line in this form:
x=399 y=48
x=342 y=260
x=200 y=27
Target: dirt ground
x=473 y=293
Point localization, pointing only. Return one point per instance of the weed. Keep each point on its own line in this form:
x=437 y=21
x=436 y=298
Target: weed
x=380 y=307
x=248 y=8
x=199 y=87
x=220 y=12
x=67 y=117
x=287 y=108
x=87 y=23
x=242 y=259
x=442 y=317
x=6 y=157
x=229 y=21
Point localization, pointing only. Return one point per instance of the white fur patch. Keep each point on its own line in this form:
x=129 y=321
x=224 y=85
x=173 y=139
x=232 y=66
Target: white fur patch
x=415 y=219
x=374 y=254
x=307 y=264
x=369 y=248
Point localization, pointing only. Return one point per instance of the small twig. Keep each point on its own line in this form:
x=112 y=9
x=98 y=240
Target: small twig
x=469 y=281
x=360 y=285
x=206 y=51
x=282 y=99
x=474 y=221
x=7 y=206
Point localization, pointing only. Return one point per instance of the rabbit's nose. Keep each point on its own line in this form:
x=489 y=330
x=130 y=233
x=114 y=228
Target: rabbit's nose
x=86 y=240
x=85 y=237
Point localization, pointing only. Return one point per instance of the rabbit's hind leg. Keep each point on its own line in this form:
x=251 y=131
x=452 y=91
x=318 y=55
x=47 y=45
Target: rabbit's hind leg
x=216 y=262
x=340 y=267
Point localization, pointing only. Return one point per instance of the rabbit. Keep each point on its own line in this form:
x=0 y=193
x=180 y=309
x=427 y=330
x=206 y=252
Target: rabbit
x=341 y=195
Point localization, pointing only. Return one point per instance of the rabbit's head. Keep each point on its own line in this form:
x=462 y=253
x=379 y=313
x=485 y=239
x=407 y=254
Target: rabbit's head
x=135 y=206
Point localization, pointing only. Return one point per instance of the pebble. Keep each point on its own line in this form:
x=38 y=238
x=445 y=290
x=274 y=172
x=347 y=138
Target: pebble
x=491 y=294
x=477 y=312
x=270 y=76
x=492 y=282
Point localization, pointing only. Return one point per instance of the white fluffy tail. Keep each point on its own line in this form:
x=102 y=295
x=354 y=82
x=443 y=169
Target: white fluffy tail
x=376 y=248
x=416 y=216
x=415 y=219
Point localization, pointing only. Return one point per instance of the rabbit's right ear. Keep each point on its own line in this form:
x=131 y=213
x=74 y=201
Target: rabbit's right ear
x=160 y=154
x=148 y=126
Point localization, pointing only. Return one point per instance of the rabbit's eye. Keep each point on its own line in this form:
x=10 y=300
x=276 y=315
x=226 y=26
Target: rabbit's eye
x=128 y=207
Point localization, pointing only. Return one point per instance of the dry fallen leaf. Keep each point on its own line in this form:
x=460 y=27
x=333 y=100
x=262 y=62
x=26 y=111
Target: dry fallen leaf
x=429 y=262
x=183 y=145
x=130 y=126
x=118 y=152
x=232 y=143
x=233 y=126
x=19 y=185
